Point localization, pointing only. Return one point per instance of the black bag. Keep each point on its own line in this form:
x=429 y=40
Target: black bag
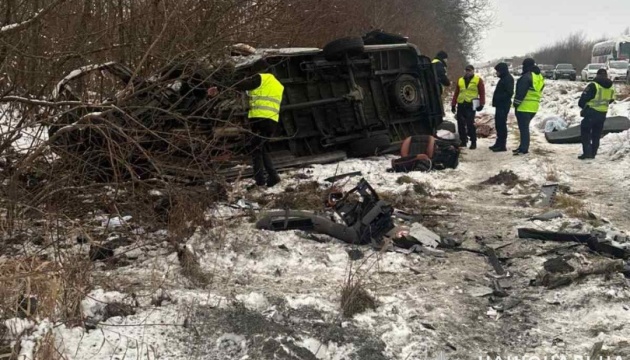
x=419 y=162
x=445 y=156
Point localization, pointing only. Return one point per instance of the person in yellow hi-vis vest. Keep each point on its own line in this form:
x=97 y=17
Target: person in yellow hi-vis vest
x=594 y=103
x=265 y=97
x=527 y=97
x=468 y=98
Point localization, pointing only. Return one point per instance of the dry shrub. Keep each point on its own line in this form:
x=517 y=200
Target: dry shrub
x=414 y=200
x=505 y=177
x=305 y=196
x=552 y=175
x=541 y=151
x=186 y=210
x=191 y=268
x=46 y=349
x=571 y=205
x=58 y=288
x=355 y=299
x=405 y=179
x=6 y=350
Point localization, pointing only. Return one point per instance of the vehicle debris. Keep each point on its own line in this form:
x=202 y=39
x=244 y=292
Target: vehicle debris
x=362 y=218
x=333 y=179
x=548 y=194
x=595 y=244
x=614 y=124
x=555 y=279
x=547 y=216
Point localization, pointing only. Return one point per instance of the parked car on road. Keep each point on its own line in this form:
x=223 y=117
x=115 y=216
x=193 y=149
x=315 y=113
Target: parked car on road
x=590 y=70
x=564 y=71
x=617 y=70
x=546 y=70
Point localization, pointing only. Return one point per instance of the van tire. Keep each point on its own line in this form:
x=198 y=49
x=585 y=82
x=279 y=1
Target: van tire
x=335 y=49
x=407 y=93
x=370 y=146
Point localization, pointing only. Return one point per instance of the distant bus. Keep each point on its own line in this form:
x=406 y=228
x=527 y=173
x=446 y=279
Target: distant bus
x=618 y=49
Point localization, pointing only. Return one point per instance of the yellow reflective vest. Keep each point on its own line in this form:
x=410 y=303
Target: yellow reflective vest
x=265 y=100
x=602 y=98
x=467 y=94
x=531 y=102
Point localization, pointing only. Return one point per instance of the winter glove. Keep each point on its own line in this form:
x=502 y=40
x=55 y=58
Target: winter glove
x=454 y=109
x=479 y=108
x=583 y=111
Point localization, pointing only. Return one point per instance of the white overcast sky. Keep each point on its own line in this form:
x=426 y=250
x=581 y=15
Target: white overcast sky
x=526 y=25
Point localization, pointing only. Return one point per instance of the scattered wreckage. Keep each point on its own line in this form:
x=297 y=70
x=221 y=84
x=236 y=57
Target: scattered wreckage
x=358 y=217
x=355 y=97
x=615 y=124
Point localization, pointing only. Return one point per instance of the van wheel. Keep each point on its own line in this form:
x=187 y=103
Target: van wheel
x=335 y=49
x=370 y=146
x=407 y=93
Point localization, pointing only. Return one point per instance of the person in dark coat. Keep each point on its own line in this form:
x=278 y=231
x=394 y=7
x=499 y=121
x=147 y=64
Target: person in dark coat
x=502 y=101
x=594 y=103
x=440 y=69
x=527 y=98
x=470 y=87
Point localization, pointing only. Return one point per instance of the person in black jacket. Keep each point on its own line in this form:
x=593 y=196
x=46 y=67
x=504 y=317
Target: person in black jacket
x=594 y=103
x=502 y=101
x=440 y=69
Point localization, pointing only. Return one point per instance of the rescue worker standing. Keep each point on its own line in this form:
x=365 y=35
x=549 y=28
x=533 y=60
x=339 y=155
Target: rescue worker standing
x=440 y=69
x=502 y=101
x=469 y=87
x=265 y=96
x=529 y=89
x=594 y=103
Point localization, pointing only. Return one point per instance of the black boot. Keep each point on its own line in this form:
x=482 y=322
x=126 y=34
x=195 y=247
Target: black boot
x=273 y=180
x=473 y=146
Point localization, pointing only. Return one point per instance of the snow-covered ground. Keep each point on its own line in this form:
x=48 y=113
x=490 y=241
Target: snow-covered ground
x=276 y=295
x=27 y=136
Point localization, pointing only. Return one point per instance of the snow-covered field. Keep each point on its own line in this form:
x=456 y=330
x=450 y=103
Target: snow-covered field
x=276 y=295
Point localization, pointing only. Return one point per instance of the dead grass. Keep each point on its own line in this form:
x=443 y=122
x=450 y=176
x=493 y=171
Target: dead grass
x=355 y=299
x=420 y=188
x=552 y=175
x=58 y=288
x=305 y=196
x=572 y=206
x=541 y=151
x=186 y=211
x=405 y=179
x=416 y=200
x=191 y=269
x=504 y=177
x=46 y=349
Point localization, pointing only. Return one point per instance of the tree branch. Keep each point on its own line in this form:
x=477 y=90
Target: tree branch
x=8 y=29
